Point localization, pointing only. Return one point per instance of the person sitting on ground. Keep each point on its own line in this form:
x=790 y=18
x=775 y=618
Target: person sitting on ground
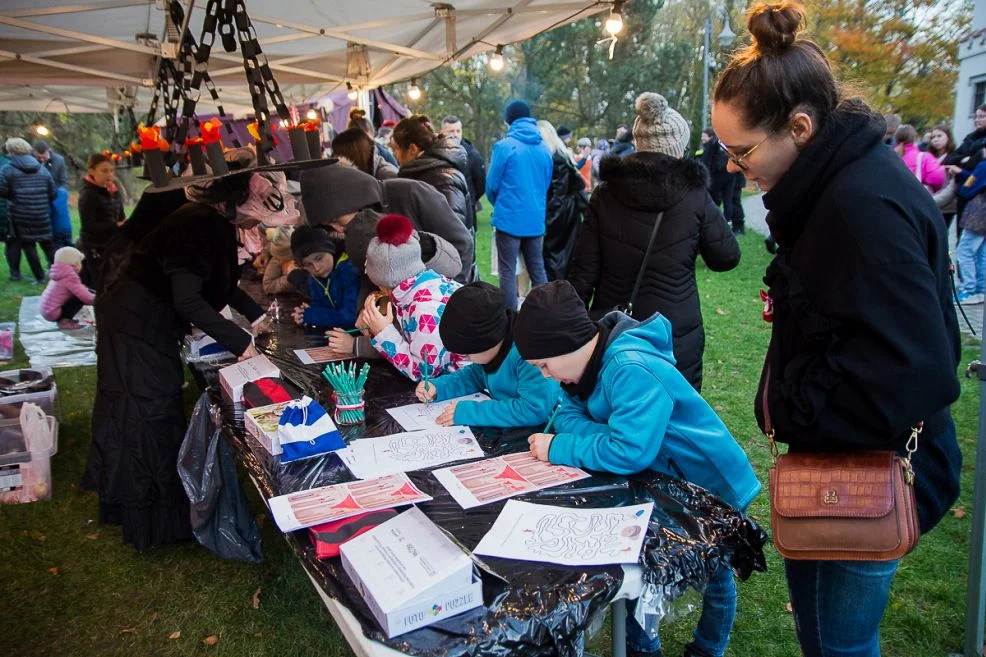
x=333 y=286
x=627 y=409
x=65 y=294
x=477 y=325
x=416 y=297
x=357 y=147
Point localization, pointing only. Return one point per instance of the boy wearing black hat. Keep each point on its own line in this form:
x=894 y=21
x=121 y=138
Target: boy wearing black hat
x=627 y=409
x=476 y=324
x=333 y=287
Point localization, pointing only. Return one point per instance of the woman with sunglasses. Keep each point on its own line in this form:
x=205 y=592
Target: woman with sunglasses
x=864 y=338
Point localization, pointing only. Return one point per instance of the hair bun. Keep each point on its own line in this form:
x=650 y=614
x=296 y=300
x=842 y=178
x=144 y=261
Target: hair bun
x=651 y=107
x=775 y=25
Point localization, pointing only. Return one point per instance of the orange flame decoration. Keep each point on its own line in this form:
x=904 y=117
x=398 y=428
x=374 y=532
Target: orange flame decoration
x=210 y=131
x=126 y=153
x=116 y=157
x=193 y=141
x=106 y=153
x=311 y=125
x=254 y=131
x=135 y=147
x=150 y=138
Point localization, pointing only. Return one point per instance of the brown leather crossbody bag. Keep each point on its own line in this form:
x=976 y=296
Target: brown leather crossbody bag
x=842 y=506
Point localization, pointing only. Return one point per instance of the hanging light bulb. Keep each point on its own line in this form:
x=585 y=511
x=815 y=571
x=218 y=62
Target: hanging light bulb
x=414 y=91
x=614 y=23
x=496 y=61
x=312 y=114
x=353 y=93
x=42 y=130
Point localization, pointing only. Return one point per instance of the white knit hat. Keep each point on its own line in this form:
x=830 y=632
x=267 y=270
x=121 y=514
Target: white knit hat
x=658 y=128
x=69 y=255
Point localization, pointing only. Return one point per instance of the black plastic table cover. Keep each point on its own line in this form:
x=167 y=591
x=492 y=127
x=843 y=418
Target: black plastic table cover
x=529 y=608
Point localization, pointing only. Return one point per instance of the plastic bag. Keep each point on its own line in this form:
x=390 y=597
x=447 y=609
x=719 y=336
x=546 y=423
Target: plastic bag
x=305 y=430
x=7 y=340
x=222 y=520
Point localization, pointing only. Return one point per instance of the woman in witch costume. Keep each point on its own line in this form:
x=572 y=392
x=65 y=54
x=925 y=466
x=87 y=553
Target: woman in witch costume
x=180 y=268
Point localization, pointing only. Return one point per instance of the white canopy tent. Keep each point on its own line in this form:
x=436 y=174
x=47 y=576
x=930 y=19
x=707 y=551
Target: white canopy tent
x=100 y=55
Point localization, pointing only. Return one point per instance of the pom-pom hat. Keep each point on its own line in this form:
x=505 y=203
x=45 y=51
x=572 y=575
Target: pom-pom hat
x=394 y=255
x=658 y=128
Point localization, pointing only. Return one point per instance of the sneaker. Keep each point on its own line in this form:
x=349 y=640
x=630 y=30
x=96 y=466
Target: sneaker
x=16 y=278
x=68 y=325
x=969 y=299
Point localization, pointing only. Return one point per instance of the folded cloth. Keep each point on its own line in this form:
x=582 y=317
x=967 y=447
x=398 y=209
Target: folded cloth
x=328 y=536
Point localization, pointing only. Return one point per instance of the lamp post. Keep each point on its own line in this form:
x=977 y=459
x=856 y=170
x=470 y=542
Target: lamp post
x=726 y=38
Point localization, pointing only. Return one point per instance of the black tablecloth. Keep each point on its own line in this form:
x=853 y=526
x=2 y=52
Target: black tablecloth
x=529 y=608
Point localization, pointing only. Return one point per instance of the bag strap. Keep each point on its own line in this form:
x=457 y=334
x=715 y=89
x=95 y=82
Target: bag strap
x=643 y=263
x=917 y=167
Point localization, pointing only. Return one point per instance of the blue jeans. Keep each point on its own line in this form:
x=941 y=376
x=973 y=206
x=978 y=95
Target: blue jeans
x=838 y=605
x=971 y=256
x=507 y=249
x=714 y=625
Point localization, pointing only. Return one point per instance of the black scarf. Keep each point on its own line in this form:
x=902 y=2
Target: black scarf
x=583 y=389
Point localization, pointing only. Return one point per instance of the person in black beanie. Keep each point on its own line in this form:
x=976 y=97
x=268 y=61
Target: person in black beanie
x=627 y=409
x=333 y=286
x=475 y=323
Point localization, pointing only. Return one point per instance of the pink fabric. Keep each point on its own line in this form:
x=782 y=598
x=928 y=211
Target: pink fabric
x=932 y=174
x=64 y=285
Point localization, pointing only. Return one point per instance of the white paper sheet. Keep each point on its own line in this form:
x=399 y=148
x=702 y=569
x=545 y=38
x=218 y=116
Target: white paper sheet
x=317 y=505
x=481 y=482
x=314 y=355
x=567 y=536
x=416 y=417
x=403 y=452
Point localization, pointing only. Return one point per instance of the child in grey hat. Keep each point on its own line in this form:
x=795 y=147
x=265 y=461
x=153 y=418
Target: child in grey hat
x=418 y=295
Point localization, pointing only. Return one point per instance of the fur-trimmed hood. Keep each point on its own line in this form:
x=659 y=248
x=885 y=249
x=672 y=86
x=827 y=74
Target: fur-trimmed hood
x=651 y=181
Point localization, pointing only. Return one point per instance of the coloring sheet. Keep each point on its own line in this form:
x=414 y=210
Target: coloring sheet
x=482 y=482
x=403 y=452
x=314 y=355
x=567 y=536
x=415 y=417
x=312 y=507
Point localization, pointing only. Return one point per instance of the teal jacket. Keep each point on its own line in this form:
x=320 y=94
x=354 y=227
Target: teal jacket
x=521 y=396
x=644 y=414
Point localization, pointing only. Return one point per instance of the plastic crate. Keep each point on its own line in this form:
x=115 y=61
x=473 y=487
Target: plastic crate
x=48 y=400
x=26 y=476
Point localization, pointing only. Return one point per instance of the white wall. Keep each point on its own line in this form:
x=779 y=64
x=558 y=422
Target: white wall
x=972 y=69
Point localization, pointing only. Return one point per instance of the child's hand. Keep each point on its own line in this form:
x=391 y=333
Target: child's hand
x=372 y=318
x=299 y=314
x=340 y=342
x=447 y=418
x=426 y=392
x=540 y=444
x=249 y=352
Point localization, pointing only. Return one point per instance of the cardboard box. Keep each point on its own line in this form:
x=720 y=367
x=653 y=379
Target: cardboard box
x=233 y=377
x=261 y=423
x=410 y=574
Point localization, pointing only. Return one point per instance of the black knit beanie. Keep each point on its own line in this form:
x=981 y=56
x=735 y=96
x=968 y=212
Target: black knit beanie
x=306 y=240
x=552 y=322
x=474 y=319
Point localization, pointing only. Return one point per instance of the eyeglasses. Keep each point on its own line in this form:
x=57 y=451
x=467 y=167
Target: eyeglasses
x=738 y=159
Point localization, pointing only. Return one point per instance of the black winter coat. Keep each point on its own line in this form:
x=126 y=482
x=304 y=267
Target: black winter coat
x=970 y=151
x=476 y=176
x=30 y=189
x=444 y=167
x=99 y=212
x=563 y=214
x=614 y=236
x=864 y=341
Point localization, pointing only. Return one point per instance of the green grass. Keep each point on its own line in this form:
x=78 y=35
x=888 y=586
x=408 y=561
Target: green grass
x=108 y=600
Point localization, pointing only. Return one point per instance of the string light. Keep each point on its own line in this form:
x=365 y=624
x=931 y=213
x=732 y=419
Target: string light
x=414 y=91
x=42 y=130
x=353 y=93
x=312 y=114
x=614 y=23
x=496 y=61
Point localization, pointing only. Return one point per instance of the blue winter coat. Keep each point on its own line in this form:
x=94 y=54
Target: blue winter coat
x=337 y=309
x=522 y=397
x=518 y=180
x=30 y=189
x=644 y=414
x=61 y=220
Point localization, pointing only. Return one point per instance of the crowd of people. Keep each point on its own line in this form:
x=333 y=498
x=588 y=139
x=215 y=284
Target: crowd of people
x=377 y=251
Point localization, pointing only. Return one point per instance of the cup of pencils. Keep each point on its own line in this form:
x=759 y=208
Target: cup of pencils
x=348 y=382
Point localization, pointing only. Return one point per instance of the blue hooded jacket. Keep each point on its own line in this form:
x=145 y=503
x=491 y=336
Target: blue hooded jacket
x=518 y=180
x=337 y=309
x=521 y=396
x=61 y=220
x=971 y=184
x=644 y=414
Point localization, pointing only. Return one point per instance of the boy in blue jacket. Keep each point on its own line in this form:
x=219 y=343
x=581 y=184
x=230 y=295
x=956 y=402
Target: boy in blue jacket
x=475 y=324
x=333 y=286
x=627 y=409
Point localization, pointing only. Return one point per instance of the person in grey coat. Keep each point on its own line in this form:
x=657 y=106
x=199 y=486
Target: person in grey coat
x=333 y=195
x=29 y=189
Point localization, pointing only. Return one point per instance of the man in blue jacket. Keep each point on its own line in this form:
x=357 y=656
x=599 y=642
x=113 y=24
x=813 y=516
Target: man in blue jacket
x=476 y=325
x=627 y=409
x=517 y=185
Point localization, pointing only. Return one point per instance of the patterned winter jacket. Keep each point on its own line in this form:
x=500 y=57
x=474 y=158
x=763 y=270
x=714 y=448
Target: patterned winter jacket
x=418 y=306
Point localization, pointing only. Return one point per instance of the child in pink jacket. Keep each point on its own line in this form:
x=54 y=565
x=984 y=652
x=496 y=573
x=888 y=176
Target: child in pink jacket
x=65 y=294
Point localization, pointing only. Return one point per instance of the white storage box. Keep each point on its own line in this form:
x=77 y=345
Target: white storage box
x=233 y=377
x=47 y=399
x=261 y=423
x=410 y=574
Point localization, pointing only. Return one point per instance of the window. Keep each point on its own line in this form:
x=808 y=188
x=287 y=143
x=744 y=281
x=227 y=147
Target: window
x=978 y=95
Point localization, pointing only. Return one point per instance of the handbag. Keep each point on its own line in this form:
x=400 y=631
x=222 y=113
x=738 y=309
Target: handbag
x=842 y=506
x=628 y=309
x=306 y=430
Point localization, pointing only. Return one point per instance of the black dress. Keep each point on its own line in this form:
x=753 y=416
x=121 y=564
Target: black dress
x=183 y=270
x=563 y=214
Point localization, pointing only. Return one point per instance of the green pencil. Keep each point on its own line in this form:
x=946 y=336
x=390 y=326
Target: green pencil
x=551 y=419
x=356 y=330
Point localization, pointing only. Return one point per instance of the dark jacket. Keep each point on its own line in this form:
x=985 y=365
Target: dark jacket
x=476 y=176
x=99 y=212
x=613 y=239
x=970 y=151
x=623 y=146
x=864 y=342
x=567 y=200
x=715 y=161
x=30 y=190
x=444 y=167
x=4 y=204
x=55 y=164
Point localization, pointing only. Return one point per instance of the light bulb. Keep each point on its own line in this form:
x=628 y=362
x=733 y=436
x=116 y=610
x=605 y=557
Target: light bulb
x=414 y=91
x=614 y=23
x=312 y=114
x=496 y=61
x=353 y=93
x=42 y=130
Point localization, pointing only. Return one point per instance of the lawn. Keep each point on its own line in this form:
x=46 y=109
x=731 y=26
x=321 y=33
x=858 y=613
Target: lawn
x=71 y=587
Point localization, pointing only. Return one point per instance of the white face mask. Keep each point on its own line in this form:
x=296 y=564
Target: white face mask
x=269 y=201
